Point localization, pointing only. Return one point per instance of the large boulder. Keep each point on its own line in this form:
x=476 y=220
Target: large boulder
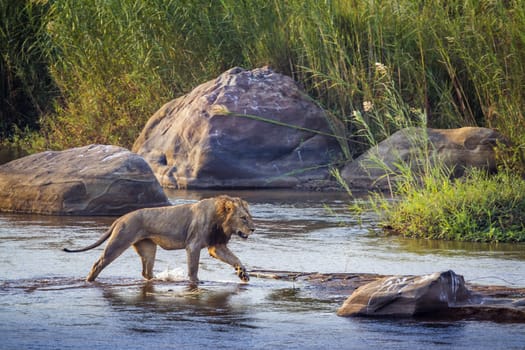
x=406 y=296
x=91 y=180
x=414 y=148
x=243 y=129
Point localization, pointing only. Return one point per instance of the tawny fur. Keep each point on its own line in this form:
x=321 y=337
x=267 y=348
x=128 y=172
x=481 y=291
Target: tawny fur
x=208 y=223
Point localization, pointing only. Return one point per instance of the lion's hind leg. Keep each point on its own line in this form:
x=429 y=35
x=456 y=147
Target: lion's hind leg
x=97 y=267
x=147 y=250
x=115 y=247
x=105 y=259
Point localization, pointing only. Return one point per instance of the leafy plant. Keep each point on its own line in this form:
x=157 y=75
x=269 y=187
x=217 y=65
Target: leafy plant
x=478 y=207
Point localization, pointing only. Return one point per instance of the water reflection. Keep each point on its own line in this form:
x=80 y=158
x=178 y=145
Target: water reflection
x=297 y=300
x=9 y=153
x=424 y=246
x=211 y=303
x=300 y=199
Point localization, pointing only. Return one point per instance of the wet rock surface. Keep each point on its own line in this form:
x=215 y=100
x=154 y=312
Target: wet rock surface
x=90 y=180
x=472 y=302
x=405 y=296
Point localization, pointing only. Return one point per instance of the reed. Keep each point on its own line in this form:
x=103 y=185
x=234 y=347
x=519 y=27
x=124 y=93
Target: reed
x=457 y=62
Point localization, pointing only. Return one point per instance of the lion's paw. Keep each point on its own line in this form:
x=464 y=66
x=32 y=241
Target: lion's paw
x=243 y=275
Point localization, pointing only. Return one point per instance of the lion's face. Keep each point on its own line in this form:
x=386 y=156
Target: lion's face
x=238 y=219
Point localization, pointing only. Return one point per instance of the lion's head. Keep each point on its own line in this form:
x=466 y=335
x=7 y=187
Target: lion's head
x=235 y=215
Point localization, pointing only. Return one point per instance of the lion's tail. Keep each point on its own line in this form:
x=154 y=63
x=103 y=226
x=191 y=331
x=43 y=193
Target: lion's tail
x=101 y=240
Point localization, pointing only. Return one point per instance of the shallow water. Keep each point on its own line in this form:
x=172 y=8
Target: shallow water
x=45 y=304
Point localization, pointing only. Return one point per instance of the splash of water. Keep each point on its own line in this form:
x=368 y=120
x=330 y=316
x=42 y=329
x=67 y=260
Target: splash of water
x=169 y=274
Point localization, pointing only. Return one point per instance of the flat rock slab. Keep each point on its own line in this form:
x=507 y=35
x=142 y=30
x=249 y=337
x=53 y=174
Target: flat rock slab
x=484 y=303
x=90 y=180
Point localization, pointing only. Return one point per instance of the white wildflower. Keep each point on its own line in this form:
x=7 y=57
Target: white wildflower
x=368 y=106
x=381 y=68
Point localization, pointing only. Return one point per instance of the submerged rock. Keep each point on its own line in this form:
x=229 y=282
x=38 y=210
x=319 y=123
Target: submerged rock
x=252 y=129
x=439 y=296
x=462 y=148
x=91 y=180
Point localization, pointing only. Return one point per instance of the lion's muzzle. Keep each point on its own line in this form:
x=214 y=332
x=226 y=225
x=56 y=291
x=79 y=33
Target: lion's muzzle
x=242 y=234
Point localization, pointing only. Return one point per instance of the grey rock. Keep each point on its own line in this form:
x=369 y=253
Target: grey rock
x=405 y=296
x=243 y=129
x=90 y=180
x=462 y=148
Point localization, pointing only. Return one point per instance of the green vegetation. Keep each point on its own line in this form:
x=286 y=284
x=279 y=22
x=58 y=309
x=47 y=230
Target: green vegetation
x=26 y=87
x=77 y=72
x=478 y=208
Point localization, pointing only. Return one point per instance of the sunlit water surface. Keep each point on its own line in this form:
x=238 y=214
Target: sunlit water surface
x=45 y=304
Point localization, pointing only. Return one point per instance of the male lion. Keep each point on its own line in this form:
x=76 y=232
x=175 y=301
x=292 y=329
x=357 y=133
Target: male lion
x=207 y=223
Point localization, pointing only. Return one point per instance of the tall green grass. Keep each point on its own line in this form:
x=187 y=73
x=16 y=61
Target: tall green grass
x=26 y=88
x=117 y=62
x=458 y=62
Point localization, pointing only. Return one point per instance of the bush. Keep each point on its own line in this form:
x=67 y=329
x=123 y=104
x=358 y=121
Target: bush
x=478 y=207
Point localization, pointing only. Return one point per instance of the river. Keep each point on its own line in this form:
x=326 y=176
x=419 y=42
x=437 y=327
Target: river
x=45 y=303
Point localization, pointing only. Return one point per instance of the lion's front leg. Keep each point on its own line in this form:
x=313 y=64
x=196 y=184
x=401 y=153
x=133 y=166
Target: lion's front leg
x=224 y=254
